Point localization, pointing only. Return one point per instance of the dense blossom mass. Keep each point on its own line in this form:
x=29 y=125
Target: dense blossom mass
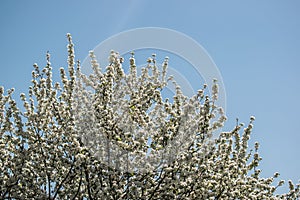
x=113 y=135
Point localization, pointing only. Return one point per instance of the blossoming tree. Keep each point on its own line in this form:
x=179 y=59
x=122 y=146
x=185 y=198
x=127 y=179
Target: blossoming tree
x=112 y=135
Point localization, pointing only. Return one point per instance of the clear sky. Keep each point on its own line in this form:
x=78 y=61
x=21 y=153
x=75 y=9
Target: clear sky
x=255 y=44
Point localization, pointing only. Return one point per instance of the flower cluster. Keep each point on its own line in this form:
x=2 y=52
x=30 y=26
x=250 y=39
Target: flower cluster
x=112 y=135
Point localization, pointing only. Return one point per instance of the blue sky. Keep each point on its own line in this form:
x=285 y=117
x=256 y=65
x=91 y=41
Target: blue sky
x=255 y=44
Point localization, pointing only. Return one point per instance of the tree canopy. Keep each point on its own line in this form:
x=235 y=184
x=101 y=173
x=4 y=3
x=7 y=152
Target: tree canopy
x=113 y=135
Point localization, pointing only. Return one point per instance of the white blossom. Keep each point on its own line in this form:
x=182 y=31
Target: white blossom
x=112 y=135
